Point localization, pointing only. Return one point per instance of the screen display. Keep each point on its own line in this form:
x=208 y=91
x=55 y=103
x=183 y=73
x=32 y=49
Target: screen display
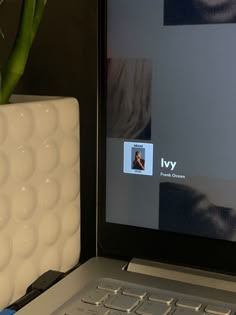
x=171 y=116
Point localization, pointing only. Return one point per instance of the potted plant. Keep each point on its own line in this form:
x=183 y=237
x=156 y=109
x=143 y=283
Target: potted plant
x=13 y=69
x=39 y=173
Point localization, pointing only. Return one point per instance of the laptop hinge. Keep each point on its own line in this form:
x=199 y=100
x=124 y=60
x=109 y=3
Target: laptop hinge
x=183 y=274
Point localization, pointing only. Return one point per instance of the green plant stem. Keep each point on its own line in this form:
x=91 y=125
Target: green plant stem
x=38 y=14
x=31 y=14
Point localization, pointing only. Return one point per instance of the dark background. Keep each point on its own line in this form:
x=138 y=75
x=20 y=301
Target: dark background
x=63 y=61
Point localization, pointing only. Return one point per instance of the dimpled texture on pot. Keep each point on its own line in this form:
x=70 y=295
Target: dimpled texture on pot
x=39 y=192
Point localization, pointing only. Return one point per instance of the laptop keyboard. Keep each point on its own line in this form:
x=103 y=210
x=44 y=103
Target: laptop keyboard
x=110 y=297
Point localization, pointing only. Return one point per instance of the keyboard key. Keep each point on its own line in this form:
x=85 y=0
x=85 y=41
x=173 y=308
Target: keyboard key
x=188 y=304
x=95 y=297
x=186 y=312
x=135 y=292
x=86 y=309
x=161 y=298
x=152 y=308
x=115 y=313
x=122 y=303
x=217 y=310
x=109 y=287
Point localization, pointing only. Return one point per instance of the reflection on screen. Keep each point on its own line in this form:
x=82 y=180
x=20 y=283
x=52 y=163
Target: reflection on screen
x=171 y=108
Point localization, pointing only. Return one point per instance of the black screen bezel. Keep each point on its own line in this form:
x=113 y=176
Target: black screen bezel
x=120 y=241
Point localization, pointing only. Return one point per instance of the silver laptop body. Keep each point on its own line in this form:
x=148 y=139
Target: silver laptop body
x=166 y=165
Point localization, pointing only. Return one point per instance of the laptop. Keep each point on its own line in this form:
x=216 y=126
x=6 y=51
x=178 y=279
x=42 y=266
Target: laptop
x=166 y=233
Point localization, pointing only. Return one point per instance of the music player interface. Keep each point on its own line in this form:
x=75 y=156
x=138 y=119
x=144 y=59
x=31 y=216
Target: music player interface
x=171 y=108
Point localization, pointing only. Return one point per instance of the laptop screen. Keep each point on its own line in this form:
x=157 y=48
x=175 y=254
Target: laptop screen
x=170 y=117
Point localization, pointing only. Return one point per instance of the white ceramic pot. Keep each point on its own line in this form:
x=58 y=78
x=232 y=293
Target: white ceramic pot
x=39 y=191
